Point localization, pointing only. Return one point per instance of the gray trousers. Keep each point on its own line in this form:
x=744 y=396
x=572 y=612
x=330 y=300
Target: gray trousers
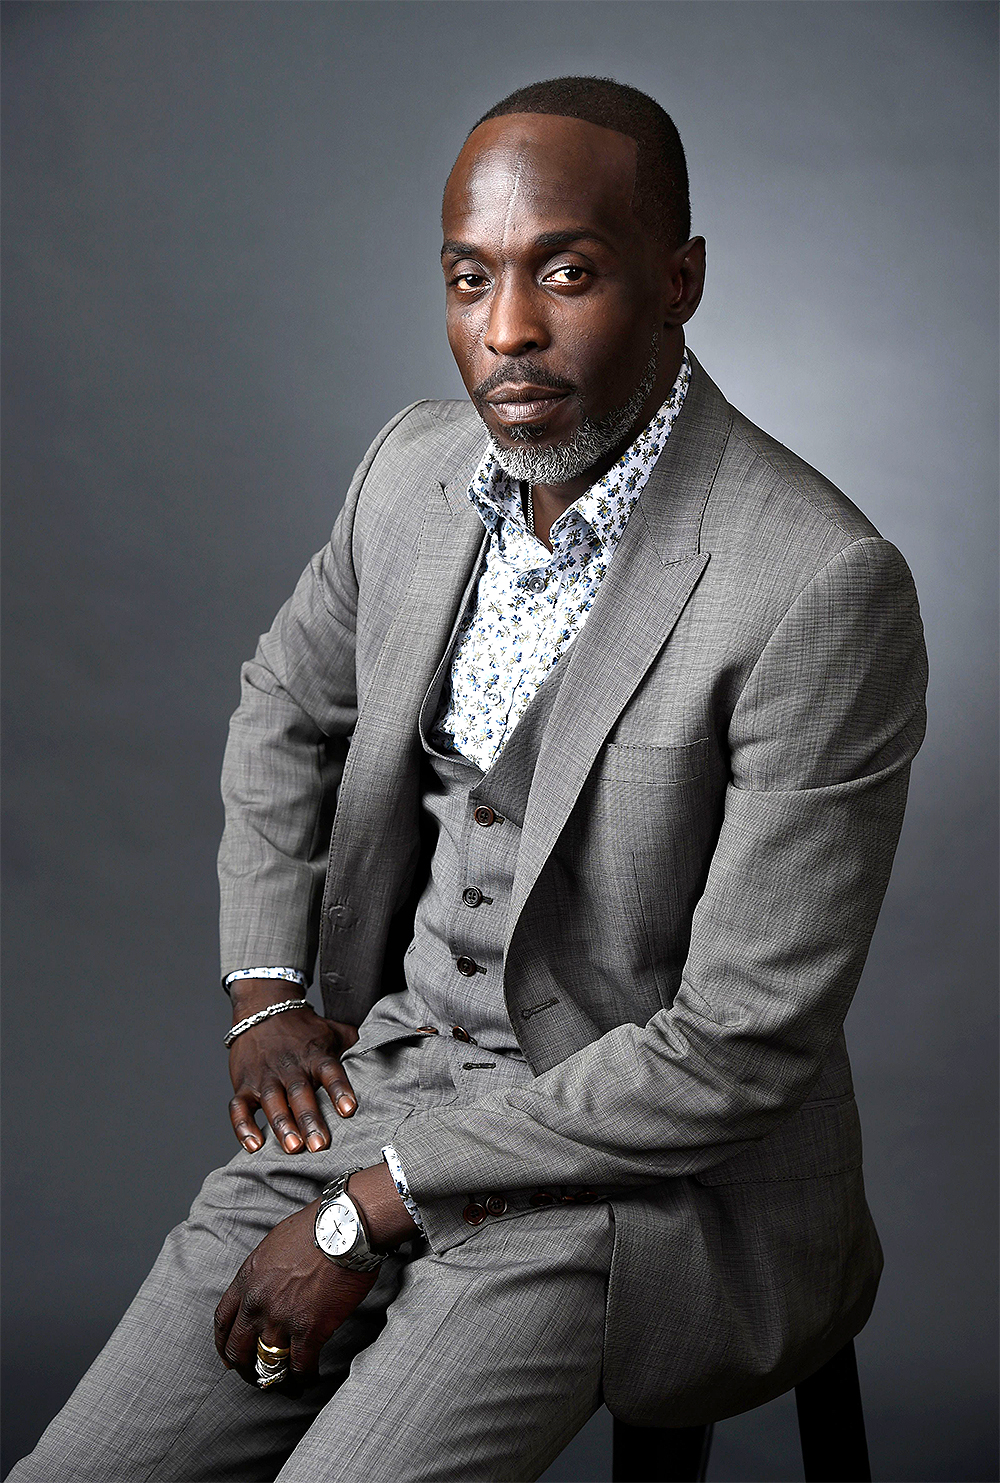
x=480 y=1363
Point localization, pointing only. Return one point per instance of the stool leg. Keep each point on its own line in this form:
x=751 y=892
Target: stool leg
x=659 y=1454
x=832 y=1422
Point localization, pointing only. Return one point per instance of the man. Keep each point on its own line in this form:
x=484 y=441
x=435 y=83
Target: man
x=580 y=754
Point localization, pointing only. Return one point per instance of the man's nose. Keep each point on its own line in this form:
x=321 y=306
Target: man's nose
x=516 y=323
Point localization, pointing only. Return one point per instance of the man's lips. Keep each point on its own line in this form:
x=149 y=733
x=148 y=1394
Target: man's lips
x=522 y=404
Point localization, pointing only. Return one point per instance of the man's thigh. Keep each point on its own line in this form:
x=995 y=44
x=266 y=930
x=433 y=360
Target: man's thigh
x=157 y=1403
x=489 y=1361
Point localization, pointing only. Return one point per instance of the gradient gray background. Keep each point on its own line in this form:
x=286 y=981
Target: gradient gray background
x=221 y=235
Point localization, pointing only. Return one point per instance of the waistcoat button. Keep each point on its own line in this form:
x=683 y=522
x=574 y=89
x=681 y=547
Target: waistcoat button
x=467 y=966
x=496 y=1205
x=484 y=816
x=426 y=1030
x=540 y=1198
x=472 y=896
x=461 y=1034
x=474 y=1214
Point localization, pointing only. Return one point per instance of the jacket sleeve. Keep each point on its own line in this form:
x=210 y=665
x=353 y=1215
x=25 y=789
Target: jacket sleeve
x=285 y=757
x=821 y=742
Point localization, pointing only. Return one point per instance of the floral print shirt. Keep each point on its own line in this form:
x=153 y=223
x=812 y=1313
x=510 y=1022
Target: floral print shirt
x=531 y=602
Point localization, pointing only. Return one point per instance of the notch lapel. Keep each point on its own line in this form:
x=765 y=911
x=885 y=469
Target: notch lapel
x=649 y=579
x=376 y=823
x=449 y=550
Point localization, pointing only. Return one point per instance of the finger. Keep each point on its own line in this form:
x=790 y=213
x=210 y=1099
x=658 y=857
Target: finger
x=241 y=1345
x=312 y=1125
x=223 y=1320
x=275 y=1105
x=241 y=1111
x=305 y=1352
x=331 y=1073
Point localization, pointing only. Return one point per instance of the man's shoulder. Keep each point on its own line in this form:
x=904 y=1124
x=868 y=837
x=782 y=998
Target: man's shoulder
x=766 y=494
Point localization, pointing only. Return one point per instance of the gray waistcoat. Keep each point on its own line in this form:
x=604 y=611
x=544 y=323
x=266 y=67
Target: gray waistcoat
x=454 y=965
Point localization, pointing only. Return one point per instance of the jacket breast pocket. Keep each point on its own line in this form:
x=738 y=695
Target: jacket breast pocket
x=668 y=765
x=820 y=1138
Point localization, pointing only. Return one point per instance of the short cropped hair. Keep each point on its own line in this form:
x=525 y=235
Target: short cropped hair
x=661 y=199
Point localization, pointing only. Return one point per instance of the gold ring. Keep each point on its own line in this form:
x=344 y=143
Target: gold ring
x=265 y=1350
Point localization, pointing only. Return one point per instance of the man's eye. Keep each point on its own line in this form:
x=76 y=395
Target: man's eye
x=568 y=273
x=470 y=282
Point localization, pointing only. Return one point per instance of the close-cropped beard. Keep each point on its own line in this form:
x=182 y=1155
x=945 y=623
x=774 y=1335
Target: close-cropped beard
x=591 y=441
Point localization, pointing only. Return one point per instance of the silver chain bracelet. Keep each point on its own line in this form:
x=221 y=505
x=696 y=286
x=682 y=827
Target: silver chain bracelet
x=262 y=1014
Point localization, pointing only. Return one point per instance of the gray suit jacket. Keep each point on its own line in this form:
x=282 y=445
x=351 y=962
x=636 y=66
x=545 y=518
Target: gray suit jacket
x=706 y=844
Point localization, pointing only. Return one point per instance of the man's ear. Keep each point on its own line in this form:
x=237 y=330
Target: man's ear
x=685 y=282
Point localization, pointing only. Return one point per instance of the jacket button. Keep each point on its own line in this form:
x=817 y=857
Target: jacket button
x=541 y=1197
x=484 y=816
x=461 y=1034
x=426 y=1030
x=496 y=1205
x=472 y=896
x=467 y=966
x=474 y=1214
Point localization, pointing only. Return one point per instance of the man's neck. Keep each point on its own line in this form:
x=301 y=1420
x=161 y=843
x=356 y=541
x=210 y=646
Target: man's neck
x=551 y=500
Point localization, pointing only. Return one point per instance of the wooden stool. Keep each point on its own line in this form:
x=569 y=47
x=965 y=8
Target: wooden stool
x=831 y=1431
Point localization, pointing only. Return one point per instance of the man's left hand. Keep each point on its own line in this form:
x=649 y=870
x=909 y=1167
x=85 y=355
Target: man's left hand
x=288 y=1294
x=292 y=1296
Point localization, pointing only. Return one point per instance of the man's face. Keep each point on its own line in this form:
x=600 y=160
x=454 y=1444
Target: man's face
x=554 y=290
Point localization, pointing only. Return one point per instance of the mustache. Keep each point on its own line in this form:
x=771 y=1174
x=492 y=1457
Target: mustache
x=520 y=373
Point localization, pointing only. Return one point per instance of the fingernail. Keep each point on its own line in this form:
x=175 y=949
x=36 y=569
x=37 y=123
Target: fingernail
x=315 y=1142
x=346 y=1105
x=292 y=1142
x=252 y=1144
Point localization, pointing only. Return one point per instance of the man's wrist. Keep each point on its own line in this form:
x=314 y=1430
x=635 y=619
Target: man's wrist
x=248 y=995
x=386 y=1219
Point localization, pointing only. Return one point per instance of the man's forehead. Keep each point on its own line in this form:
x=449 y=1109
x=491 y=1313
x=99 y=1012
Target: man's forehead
x=541 y=158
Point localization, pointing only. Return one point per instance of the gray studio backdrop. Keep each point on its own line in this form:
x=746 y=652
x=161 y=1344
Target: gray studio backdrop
x=221 y=240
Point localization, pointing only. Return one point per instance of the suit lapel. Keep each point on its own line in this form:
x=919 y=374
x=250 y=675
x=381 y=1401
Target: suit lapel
x=376 y=825
x=649 y=580
x=451 y=541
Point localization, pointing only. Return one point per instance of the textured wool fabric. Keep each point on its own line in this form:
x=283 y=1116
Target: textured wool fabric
x=477 y=1365
x=706 y=842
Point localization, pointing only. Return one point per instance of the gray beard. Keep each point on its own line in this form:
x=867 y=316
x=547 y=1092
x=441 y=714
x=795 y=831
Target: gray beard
x=591 y=441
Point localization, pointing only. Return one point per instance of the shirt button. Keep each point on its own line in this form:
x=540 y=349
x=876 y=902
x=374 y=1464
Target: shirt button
x=468 y=967
x=536 y=583
x=496 y=1205
x=474 y=1214
x=472 y=896
x=484 y=816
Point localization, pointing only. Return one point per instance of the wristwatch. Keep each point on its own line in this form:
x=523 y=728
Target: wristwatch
x=339 y=1232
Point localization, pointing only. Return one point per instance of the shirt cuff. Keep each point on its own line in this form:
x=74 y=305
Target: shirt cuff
x=402 y=1188
x=291 y=974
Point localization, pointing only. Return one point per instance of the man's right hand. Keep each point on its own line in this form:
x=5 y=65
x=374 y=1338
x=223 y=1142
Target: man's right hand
x=278 y=1065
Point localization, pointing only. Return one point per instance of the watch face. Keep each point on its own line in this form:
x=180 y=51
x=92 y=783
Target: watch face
x=336 y=1229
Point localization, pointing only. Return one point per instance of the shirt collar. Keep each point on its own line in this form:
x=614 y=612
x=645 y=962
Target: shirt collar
x=607 y=504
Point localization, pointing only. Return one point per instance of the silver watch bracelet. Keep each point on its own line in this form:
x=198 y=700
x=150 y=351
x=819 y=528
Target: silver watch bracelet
x=262 y=1014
